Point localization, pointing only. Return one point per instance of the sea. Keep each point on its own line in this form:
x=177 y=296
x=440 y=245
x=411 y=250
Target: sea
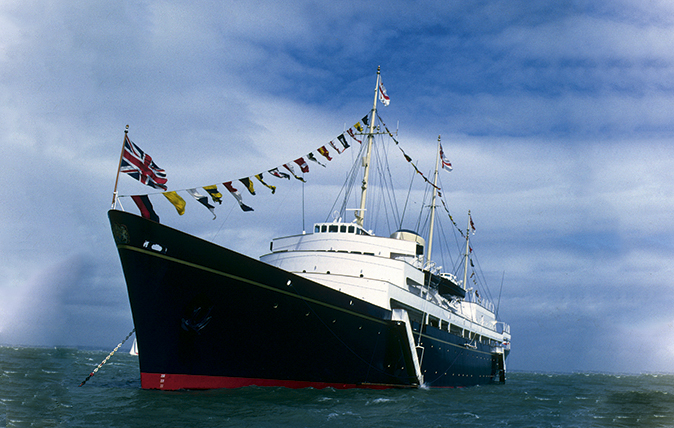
x=40 y=387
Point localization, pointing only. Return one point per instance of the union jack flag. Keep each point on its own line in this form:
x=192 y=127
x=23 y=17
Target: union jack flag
x=140 y=166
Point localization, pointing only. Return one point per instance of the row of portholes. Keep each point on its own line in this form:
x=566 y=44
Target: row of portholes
x=276 y=306
x=464 y=374
x=474 y=356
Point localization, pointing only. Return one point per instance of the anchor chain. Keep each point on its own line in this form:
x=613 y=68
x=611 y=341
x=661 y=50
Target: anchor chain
x=108 y=357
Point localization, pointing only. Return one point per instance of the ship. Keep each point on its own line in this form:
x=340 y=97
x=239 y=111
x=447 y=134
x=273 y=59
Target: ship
x=338 y=307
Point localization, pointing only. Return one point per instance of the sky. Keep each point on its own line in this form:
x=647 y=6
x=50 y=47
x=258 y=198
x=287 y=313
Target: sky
x=556 y=117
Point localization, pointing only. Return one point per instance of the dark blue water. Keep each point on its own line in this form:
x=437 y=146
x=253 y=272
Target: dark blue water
x=39 y=387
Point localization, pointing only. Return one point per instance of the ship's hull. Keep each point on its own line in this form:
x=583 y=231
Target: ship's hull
x=208 y=317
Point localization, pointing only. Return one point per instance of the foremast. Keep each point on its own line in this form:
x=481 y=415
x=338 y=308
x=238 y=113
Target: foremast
x=360 y=213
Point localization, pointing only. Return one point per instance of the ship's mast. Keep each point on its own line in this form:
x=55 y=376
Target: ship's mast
x=360 y=214
x=465 y=261
x=435 y=193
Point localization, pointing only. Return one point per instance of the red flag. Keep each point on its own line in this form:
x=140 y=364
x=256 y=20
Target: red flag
x=351 y=133
x=303 y=164
x=383 y=96
x=446 y=164
x=145 y=206
x=289 y=167
x=336 y=148
x=322 y=150
x=237 y=196
x=276 y=173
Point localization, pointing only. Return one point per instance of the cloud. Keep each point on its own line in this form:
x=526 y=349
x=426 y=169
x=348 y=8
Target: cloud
x=555 y=117
x=65 y=304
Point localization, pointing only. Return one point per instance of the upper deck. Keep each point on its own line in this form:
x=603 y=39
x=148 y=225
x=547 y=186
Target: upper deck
x=351 y=238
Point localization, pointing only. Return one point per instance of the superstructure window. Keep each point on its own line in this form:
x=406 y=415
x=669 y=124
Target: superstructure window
x=317 y=229
x=342 y=229
x=333 y=228
x=352 y=229
x=324 y=228
x=455 y=330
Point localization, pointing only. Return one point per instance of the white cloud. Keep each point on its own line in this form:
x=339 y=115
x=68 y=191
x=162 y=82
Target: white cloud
x=556 y=120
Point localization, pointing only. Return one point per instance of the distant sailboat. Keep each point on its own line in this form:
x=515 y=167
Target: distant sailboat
x=134 y=348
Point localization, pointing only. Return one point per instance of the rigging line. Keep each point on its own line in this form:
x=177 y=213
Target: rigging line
x=394 y=202
x=444 y=205
x=347 y=187
x=484 y=280
x=386 y=184
x=224 y=221
x=409 y=192
x=455 y=262
x=380 y=182
x=383 y=185
x=427 y=220
x=374 y=202
x=421 y=211
x=443 y=243
x=498 y=305
x=459 y=244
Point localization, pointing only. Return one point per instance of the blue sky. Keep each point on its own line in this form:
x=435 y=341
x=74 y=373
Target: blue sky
x=556 y=117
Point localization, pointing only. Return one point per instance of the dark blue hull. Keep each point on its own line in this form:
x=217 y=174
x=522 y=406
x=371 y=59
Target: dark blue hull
x=208 y=317
x=448 y=361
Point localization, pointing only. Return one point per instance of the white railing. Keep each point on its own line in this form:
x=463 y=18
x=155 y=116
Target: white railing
x=485 y=303
x=502 y=327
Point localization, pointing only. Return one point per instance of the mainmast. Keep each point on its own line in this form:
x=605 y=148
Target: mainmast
x=435 y=193
x=465 y=262
x=360 y=214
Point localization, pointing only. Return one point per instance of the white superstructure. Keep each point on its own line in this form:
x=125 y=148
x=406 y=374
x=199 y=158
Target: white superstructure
x=388 y=273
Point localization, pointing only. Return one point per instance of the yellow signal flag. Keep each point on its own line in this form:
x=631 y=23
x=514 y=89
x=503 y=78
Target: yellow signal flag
x=215 y=194
x=176 y=200
x=249 y=185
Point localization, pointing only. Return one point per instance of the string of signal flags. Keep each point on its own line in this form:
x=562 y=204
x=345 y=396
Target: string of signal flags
x=141 y=166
